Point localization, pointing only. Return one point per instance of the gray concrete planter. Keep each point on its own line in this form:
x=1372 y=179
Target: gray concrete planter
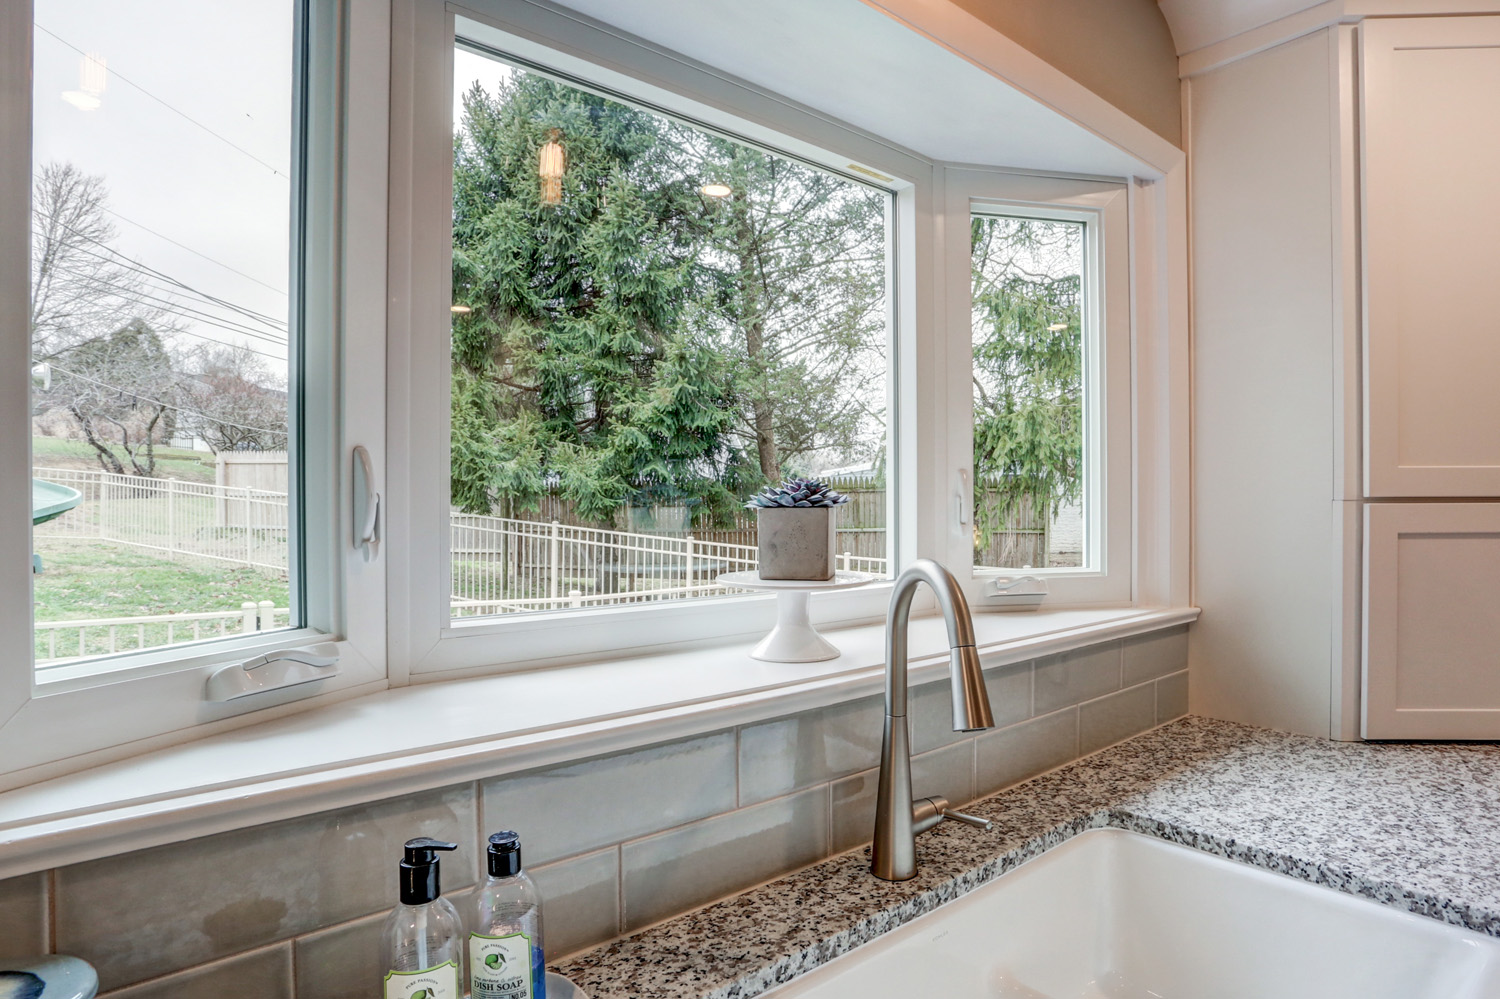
x=796 y=542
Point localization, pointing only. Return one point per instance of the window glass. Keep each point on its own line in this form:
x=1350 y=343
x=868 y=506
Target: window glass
x=1031 y=445
x=162 y=331
x=650 y=324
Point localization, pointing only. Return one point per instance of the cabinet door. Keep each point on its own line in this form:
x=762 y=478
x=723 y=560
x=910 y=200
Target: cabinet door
x=1430 y=93
x=1432 y=621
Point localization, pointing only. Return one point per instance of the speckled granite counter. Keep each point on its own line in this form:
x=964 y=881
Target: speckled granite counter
x=1413 y=826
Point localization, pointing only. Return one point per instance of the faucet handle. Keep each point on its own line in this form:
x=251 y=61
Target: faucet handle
x=928 y=812
x=972 y=820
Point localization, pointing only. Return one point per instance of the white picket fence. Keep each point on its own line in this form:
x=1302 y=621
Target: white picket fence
x=224 y=523
x=58 y=641
x=500 y=565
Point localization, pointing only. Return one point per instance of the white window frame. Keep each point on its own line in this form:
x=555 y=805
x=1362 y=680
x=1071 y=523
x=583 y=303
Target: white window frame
x=388 y=280
x=118 y=706
x=426 y=642
x=1102 y=205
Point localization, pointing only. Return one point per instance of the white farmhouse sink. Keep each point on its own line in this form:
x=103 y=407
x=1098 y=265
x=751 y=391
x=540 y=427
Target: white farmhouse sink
x=1116 y=915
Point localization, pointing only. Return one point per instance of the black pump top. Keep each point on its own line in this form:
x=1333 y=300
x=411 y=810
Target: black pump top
x=419 y=870
x=504 y=855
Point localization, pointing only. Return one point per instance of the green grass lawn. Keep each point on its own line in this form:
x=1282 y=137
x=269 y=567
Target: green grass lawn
x=171 y=462
x=94 y=579
x=84 y=580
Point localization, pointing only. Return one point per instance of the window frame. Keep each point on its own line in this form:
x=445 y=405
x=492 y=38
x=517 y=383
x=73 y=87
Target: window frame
x=396 y=60
x=343 y=62
x=425 y=641
x=1103 y=206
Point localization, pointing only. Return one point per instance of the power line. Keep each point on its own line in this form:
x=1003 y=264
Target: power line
x=182 y=311
x=136 y=265
x=118 y=258
x=199 y=253
x=150 y=287
x=167 y=405
x=182 y=114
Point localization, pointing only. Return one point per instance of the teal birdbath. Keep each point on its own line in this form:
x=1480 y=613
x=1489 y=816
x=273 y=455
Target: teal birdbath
x=48 y=502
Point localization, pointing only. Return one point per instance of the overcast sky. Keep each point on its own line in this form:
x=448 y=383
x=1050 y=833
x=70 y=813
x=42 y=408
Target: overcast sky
x=192 y=137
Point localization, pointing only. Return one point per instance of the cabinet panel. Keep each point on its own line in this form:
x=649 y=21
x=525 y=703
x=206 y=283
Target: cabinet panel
x=1430 y=94
x=1432 y=621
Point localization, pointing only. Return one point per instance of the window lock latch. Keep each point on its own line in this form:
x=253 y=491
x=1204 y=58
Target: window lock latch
x=273 y=671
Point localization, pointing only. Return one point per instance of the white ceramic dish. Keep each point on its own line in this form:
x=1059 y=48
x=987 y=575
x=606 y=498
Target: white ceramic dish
x=559 y=987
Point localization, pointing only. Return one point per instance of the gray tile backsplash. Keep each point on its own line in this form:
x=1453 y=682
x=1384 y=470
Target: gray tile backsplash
x=1022 y=751
x=687 y=867
x=23 y=916
x=151 y=912
x=617 y=842
x=1076 y=676
x=578 y=807
x=581 y=901
x=781 y=756
x=1150 y=656
x=335 y=963
x=948 y=771
x=263 y=974
x=1119 y=716
x=1171 y=697
x=931 y=707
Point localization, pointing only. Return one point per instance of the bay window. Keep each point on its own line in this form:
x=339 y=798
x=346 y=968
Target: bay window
x=574 y=297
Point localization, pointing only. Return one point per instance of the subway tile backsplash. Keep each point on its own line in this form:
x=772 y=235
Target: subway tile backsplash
x=293 y=909
x=571 y=809
x=23 y=916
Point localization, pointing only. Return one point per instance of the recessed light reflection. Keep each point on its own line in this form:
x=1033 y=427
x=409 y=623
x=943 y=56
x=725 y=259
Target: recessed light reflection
x=716 y=190
x=81 y=100
x=1055 y=327
x=460 y=310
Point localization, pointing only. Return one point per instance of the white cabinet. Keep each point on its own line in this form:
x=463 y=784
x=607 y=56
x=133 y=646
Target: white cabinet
x=1430 y=127
x=1430 y=103
x=1432 y=621
x=1346 y=311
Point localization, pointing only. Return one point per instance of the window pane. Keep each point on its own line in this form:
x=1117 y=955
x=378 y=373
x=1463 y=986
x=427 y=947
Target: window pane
x=650 y=324
x=1030 y=459
x=163 y=172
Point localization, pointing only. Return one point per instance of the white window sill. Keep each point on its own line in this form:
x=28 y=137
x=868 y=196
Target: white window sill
x=429 y=735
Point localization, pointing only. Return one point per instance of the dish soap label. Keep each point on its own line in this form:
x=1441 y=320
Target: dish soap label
x=500 y=967
x=440 y=982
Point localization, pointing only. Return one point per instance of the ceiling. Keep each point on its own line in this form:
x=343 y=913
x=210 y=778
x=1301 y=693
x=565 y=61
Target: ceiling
x=856 y=64
x=1197 y=23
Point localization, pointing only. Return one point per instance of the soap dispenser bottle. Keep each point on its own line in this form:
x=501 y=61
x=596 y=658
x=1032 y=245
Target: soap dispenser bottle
x=423 y=943
x=505 y=931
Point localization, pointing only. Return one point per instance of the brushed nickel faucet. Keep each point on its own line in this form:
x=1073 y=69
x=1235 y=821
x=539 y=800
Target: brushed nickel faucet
x=898 y=819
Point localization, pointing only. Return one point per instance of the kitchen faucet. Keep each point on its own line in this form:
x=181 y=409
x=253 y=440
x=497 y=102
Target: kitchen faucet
x=897 y=819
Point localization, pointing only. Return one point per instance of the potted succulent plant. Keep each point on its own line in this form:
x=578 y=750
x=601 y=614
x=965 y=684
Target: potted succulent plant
x=795 y=529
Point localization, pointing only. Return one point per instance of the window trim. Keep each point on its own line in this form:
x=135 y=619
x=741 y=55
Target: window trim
x=344 y=122
x=385 y=42
x=425 y=640
x=1103 y=206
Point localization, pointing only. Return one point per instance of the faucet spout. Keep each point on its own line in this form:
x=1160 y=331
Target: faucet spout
x=894 y=853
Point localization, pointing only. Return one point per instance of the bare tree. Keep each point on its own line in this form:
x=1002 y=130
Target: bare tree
x=232 y=402
x=82 y=290
x=121 y=391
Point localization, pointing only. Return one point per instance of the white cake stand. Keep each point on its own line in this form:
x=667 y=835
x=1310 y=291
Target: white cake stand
x=794 y=640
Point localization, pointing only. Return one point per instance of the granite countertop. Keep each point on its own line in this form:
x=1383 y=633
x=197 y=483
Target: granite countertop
x=1412 y=826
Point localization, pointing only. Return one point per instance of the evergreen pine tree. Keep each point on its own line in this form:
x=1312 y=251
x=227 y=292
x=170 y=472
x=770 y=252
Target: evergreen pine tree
x=576 y=365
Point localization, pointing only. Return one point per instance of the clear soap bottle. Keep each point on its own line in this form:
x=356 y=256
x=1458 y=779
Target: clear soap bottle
x=423 y=942
x=505 y=929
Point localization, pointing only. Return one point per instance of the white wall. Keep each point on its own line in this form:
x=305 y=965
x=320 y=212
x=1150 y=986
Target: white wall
x=1262 y=134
